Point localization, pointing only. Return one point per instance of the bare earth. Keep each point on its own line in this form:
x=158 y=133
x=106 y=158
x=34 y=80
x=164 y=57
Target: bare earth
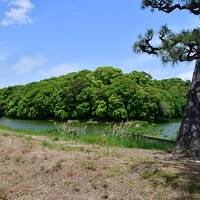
x=42 y=169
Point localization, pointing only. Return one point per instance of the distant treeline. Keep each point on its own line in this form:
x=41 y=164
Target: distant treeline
x=106 y=94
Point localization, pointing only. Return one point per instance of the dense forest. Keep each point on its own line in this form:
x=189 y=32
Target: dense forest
x=106 y=94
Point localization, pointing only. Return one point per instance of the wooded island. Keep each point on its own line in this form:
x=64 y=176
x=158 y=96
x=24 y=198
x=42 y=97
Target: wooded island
x=106 y=94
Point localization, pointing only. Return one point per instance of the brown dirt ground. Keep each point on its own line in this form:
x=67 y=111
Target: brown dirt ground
x=42 y=169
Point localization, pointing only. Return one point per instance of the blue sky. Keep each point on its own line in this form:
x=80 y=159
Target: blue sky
x=44 y=38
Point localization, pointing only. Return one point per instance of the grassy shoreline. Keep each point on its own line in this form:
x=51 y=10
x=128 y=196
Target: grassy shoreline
x=112 y=140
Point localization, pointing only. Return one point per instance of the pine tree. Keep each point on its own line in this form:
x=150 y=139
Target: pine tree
x=174 y=48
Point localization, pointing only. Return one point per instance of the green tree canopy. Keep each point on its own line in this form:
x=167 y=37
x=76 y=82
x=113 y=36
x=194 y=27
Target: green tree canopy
x=106 y=94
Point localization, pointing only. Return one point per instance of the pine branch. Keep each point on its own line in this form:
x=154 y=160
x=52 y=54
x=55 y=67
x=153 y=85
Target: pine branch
x=169 y=6
x=184 y=46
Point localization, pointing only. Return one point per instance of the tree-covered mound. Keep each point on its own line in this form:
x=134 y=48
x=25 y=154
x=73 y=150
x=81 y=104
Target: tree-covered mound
x=106 y=94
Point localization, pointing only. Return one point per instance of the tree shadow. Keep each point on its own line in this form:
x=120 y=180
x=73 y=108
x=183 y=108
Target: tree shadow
x=180 y=175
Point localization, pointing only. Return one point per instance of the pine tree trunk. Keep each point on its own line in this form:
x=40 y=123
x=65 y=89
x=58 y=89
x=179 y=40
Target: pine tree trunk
x=188 y=140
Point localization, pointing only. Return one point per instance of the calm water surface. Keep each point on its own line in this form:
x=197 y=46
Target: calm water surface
x=168 y=130
x=26 y=124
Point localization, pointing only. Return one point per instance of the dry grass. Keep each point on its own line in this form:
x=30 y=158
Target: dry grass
x=38 y=168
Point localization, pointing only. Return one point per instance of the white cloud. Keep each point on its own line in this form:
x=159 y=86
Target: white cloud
x=18 y=13
x=157 y=69
x=138 y=60
x=62 y=69
x=187 y=71
x=144 y=62
x=186 y=75
x=27 y=64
